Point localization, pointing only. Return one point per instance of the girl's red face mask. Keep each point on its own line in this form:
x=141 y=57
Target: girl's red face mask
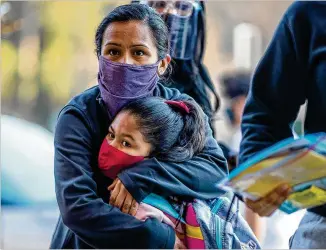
x=112 y=161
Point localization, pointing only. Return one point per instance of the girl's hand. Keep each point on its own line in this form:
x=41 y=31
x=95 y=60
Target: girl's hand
x=178 y=243
x=122 y=199
x=266 y=206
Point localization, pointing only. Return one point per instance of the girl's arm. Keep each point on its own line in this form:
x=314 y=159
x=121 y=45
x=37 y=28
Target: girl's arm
x=196 y=178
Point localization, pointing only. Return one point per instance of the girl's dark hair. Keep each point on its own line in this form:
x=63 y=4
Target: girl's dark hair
x=140 y=12
x=174 y=134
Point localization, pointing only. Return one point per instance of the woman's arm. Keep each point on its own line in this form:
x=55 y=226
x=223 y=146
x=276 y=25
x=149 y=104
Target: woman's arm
x=278 y=86
x=196 y=178
x=95 y=222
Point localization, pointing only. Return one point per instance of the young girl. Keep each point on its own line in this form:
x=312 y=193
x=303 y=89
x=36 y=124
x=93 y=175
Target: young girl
x=172 y=131
x=152 y=127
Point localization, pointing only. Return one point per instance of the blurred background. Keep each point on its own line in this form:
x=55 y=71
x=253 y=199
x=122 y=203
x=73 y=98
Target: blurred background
x=47 y=57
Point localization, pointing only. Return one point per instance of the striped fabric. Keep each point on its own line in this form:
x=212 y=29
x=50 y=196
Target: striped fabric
x=214 y=224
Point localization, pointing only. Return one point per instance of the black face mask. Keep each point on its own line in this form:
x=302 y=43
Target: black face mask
x=183 y=33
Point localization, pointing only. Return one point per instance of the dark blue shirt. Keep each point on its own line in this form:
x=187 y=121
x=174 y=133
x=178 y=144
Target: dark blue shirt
x=292 y=71
x=87 y=220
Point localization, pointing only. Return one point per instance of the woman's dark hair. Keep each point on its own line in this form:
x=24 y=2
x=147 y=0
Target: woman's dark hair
x=174 y=134
x=140 y=12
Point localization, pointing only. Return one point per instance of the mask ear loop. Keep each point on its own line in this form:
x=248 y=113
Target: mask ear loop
x=160 y=72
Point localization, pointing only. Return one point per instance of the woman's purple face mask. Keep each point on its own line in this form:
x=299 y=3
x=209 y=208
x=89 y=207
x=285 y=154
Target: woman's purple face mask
x=129 y=66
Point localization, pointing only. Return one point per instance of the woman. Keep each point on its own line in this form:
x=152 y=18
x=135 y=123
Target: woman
x=132 y=48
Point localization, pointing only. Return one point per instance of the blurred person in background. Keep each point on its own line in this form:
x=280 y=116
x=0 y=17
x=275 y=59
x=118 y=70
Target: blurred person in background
x=186 y=21
x=236 y=87
x=291 y=72
x=132 y=49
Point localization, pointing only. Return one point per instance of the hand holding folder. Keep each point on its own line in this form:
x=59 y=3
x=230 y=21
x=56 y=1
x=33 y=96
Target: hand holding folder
x=298 y=163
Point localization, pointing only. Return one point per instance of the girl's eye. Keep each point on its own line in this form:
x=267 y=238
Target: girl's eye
x=126 y=144
x=139 y=53
x=113 y=52
x=110 y=136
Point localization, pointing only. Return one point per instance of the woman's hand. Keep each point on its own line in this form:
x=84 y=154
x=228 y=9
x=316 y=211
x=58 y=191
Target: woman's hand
x=266 y=206
x=122 y=199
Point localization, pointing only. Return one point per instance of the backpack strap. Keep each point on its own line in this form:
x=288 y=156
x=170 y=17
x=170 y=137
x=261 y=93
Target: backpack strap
x=193 y=235
x=162 y=204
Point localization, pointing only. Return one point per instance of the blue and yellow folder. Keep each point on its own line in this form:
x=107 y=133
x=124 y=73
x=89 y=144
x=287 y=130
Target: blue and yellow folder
x=301 y=163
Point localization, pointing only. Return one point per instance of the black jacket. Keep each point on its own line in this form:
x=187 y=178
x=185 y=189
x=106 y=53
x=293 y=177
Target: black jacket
x=87 y=220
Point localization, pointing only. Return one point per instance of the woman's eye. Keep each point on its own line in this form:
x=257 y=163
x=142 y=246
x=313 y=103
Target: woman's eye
x=126 y=144
x=110 y=136
x=114 y=52
x=139 y=53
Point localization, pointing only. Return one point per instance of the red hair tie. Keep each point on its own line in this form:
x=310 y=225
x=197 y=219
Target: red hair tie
x=179 y=104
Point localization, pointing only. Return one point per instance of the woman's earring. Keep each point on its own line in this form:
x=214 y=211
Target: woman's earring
x=161 y=71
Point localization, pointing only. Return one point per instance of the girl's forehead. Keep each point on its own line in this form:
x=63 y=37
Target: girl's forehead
x=126 y=124
x=123 y=122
